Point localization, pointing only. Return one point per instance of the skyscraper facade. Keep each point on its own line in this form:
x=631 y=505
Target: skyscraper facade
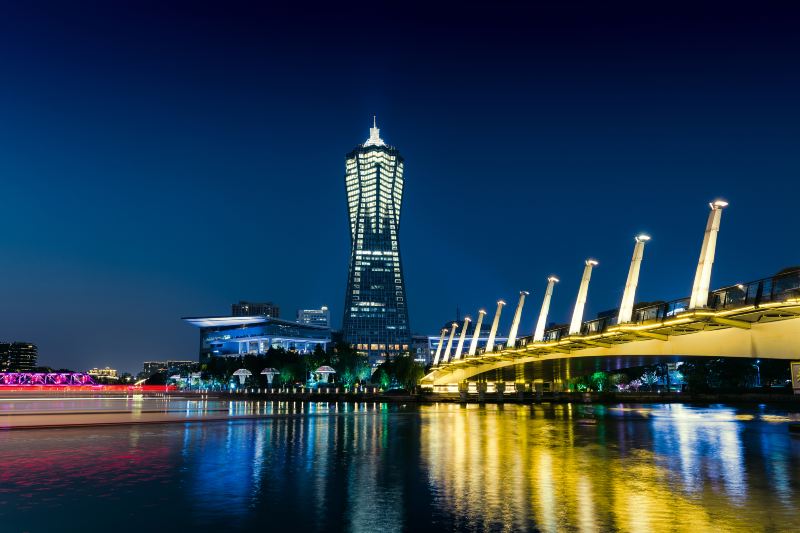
x=375 y=311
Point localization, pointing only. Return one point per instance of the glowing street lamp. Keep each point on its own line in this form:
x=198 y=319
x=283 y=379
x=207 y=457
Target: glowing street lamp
x=580 y=303
x=628 y=296
x=538 y=333
x=446 y=355
x=473 y=345
x=495 y=323
x=439 y=348
x=461 y=338
x=512 y=334
x=242 y=374
x=702 y=278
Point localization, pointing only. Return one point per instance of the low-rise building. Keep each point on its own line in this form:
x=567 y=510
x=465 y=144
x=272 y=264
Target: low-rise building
x=106 y=373
x=315 y=317
x=244 y=308
x=235 y=336
x=153 y=367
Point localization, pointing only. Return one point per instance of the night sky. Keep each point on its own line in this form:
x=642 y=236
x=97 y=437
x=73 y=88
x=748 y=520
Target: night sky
x=164 y=161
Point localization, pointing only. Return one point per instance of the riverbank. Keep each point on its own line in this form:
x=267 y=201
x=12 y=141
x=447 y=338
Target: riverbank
x=317 y=395
x=524 y=398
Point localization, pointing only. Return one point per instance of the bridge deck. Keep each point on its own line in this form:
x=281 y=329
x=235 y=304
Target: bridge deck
x=747 y=336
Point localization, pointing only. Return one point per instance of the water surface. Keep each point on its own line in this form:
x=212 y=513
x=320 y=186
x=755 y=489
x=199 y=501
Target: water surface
x=372 y=467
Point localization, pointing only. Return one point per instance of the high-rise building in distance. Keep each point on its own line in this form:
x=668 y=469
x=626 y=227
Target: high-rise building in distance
x=255 y=309
x=375 y=311
x=18 y=356
x=315 y=317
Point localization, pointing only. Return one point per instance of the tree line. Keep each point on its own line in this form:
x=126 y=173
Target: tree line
x=294 y=368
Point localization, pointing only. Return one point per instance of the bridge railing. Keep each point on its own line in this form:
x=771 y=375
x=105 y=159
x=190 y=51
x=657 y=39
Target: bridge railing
x=556 y=334
x=778 y=288
x=597 y=325
x=660 y=311
x=774 y=289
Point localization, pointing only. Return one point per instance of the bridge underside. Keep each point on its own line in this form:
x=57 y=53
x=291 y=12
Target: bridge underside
x=561 y=370
x=766 y=332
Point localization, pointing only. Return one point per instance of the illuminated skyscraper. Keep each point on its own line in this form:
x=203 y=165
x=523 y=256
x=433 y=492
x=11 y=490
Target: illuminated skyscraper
x=375 y=311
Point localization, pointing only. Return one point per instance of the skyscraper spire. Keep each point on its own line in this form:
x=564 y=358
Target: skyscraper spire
x=374 y=134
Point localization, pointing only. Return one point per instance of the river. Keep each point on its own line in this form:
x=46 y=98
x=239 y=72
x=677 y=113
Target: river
x=386 y=468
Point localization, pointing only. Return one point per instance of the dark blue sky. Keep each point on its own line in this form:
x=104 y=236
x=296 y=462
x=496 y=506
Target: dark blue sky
x=159 y=161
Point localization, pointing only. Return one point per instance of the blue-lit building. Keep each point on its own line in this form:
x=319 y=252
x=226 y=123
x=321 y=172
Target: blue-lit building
x=240 y=335
x=375 y=310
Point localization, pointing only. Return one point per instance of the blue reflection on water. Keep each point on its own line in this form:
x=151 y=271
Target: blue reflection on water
x=362 y=467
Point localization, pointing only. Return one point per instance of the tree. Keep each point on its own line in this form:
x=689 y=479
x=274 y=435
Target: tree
x=287 y=376
x=381 y=375
x=407 y=372
x=346 y=360
x=347 y=377
x=649 y=379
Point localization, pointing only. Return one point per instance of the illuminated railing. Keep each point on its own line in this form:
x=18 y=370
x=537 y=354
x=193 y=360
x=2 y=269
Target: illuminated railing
x=778 y=288
x=660 y=311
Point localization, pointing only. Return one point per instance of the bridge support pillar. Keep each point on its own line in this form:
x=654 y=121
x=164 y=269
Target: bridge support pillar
x=463 y=390
x=446 y=354
x=481 y=386
x=580 y=303
x=473 y=345
x=461 y=338
x=439 y=348
x=702 y=278
x=500 y=389
x=629 y=295
x=512 y=335
x=495 y=322
x=520 y=388
x=538 y=333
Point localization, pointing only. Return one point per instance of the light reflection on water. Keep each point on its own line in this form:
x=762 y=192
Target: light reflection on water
x=440 y=467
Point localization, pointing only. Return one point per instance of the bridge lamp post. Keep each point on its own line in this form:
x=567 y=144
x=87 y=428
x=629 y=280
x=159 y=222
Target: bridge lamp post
x=512 y=335
x=473 y=345
x=702 y=278
x=580 y=303
x=629 y=295
x=439 y=348
x=538 y=333
x=446 y=355
x=495 y=322
x=461 y=338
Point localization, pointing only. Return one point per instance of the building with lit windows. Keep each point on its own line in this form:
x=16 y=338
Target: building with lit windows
x=375 y=311
x=255 y=309
x=106 y=373
x=169 y=367
x=315 y=317
x=153 y=367
x=18 y=356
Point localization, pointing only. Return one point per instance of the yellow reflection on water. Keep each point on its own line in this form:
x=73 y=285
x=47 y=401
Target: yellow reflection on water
x=555 y=469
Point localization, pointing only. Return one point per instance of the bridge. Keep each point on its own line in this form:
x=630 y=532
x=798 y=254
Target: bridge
x=750 y=320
